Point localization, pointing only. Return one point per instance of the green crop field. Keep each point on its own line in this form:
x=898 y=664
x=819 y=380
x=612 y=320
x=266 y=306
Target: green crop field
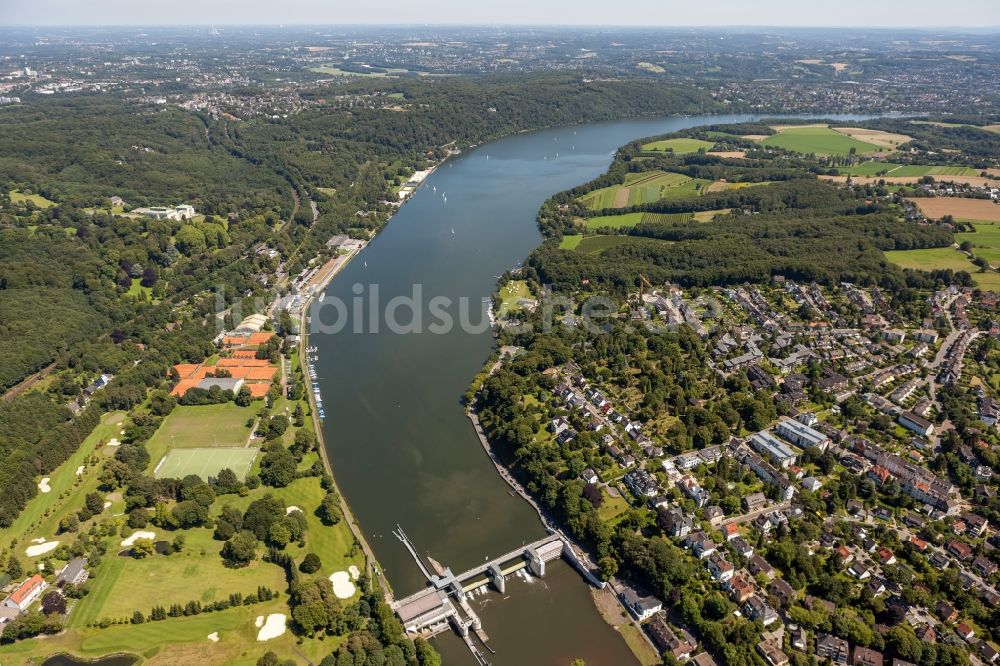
x=643 y=188
x=615 y=221
x=819 y=140
x=906 y=170
x=942 y=258
x=654 y=218
x=205 y=463
x=680 y=146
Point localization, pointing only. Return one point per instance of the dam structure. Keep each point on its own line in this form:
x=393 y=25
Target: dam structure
x=444 y=603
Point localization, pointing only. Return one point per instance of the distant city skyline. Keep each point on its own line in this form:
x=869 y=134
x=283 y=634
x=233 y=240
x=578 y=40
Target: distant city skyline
x=648 y=13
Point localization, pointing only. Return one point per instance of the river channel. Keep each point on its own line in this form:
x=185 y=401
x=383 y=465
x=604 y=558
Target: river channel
x=400 y=445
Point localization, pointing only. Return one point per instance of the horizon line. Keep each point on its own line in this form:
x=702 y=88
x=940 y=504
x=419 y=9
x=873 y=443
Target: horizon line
x=361 y=24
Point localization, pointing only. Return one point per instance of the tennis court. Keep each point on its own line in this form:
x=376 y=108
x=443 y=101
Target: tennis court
x=205 y=463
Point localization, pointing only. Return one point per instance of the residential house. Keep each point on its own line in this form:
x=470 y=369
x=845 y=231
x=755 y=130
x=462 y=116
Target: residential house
x=754 y=502
x=965 y=632
x=772 y=654
x=739 y=587
x=985 y=567
x=740 y=546
x=674 y=522
x=781 y=591
x=830 y=647
x=946 y=612
x=719 y=567
x=756 y=608
x=642 y=608
x=759 y=566
x=666 y=640
x=866 y=657
x=700 y=544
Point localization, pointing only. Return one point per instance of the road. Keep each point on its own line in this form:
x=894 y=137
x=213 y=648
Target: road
x=746 y=517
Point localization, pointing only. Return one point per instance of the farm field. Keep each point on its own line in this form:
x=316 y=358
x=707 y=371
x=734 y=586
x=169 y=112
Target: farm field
x=931 y=259
x=642 y=188
x=906 y=170
x=959 y=208
x=818 y=139
x=886 y=140
x=680 y=146
x=205 y=463
x=598 y=244
x=616 y=221
x=37 y=199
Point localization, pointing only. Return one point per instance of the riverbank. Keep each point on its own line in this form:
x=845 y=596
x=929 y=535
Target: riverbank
x=372 y=569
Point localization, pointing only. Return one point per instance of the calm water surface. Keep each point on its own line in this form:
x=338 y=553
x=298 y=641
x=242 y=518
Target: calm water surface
x=399 y=442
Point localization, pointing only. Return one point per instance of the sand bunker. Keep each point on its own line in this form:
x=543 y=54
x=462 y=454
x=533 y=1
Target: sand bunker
x=38 y=540
x=41 y=549
x=292 y=509
x=259 y=622
x=43 y=485
x=354 y=571
x=107 y=505
x=129 y=542
x=114 y=442
x=343 y=588
x=273 y=627
x=79 y=470
x=214 y=637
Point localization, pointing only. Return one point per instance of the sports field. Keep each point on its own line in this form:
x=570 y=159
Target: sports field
x=201 y=426
x=679 y=146
x=818 y=139
x=205 y=463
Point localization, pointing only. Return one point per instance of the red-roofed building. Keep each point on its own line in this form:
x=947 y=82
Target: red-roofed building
x=26 y=593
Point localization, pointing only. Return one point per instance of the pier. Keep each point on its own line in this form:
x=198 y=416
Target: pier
x=444 y=603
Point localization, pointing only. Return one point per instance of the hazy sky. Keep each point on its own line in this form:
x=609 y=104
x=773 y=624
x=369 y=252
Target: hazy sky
x=909 y=13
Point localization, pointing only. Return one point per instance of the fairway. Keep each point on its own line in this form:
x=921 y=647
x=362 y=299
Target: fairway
x=205 y=463
x=817 y=139
x=678 y=146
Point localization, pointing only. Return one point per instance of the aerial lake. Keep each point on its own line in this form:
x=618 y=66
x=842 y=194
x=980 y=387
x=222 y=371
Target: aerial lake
x=401 y=447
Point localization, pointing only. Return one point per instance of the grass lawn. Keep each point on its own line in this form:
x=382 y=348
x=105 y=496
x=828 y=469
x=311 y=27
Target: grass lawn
x=42 y=514
x=987 y=281
x=931 y=259
x=137 y=289
x=986 y=239
x=511 y=293
x=612 y=507
x=205 y=463
x=570 y=242
x=680 y=146
x=201 y=426
x=37 y=199
x=328 y=191
x=123 y=584
x=818 y=140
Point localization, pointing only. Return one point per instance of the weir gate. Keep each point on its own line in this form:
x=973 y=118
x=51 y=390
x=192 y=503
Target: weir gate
x=444 y=602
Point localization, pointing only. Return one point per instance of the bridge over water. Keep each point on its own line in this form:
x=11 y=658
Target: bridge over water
x=444 y=602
